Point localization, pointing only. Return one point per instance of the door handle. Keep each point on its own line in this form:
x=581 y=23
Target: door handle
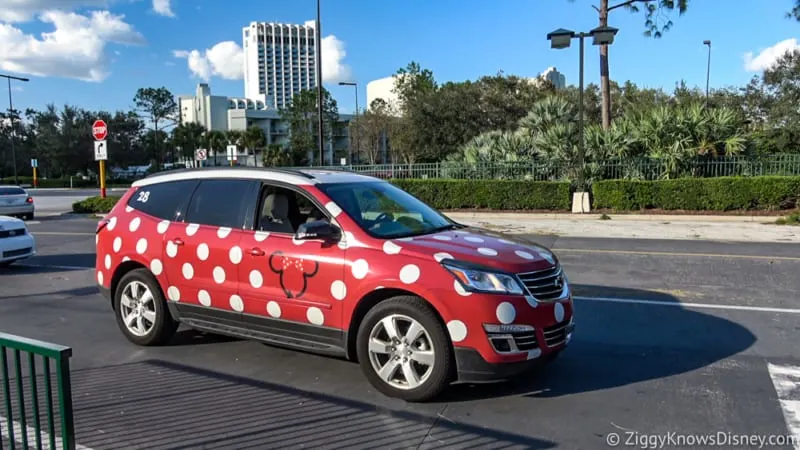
x=178 y=241
x=257 y=252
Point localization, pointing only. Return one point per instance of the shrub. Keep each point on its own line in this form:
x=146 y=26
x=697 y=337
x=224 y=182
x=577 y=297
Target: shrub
x=95 y=205
x=489 y=194
x=699 y=194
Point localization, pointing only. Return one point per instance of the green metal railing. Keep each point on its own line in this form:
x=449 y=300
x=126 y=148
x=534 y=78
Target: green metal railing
x=20 y=426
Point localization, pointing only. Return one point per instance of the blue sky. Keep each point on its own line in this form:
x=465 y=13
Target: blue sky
x=133 y=46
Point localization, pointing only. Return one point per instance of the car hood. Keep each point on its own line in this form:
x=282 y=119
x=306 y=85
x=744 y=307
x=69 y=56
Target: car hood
x=11 y=223
x=479 y=246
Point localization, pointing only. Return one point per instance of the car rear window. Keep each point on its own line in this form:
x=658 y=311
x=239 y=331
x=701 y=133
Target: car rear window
x=11 y=191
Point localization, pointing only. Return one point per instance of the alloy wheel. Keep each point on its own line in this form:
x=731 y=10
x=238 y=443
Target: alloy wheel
x=401 y=351
x=138 y=308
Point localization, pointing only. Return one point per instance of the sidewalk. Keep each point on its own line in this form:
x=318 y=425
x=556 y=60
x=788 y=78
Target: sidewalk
x=684 y=227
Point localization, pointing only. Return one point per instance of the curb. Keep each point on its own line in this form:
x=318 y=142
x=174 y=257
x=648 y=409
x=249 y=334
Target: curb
x=499 y=215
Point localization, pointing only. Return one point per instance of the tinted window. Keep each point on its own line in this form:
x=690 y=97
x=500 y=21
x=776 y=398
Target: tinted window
x=11 y=191
x=163 y=200
x=219 y=203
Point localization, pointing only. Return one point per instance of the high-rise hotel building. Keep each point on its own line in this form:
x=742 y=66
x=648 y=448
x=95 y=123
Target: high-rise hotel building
x=279 y=61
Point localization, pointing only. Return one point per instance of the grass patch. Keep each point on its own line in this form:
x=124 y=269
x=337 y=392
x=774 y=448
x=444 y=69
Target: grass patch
x=793 y=219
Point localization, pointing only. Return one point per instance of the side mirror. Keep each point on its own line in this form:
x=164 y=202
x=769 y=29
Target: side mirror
x=318 y=229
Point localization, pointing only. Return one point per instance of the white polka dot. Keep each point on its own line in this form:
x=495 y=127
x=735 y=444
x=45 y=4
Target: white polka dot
x=223 y=232
x=442 y=237
x=274 y=309
x=117 y=244
x=141 y=246
x=96 y=238
x=204 y=298
x=379 y=287
x=112 y=223
x=333 y=208
x=202 y=251
x=156 y=267
x=172 y=249
x=107 y=261
x=406 y=239
x=315 y=316
x=460 y=289
x=339 y=290
x=125 y=259
x=360 y=269
x=535 y=353
x=523 y=254
x=548 y=256
x=134 y=225
x=558 y=311
x=188 y=271
x=487 y=251
x=261 y=236
x=390 y=248
x=473 y=239
x=219 y=275
x=457 y=330
x=506 y=313
x=532 y=301
x=256 y=279
x=235 y=254
x=162 y=226
x=236 y=302
x=505 y=241
x=99 y=277
x=439 y=257
x=173 y=294
x=128 y=209
x=296 y=241
x=409 y=273
x=192 y=229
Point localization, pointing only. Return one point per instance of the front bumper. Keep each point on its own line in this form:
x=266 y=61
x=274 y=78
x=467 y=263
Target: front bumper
x=17 y=248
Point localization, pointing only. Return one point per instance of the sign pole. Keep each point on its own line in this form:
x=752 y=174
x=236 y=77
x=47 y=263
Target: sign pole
x=102 y=178
x=100 y=133
x=35 y=184
x=34 y=166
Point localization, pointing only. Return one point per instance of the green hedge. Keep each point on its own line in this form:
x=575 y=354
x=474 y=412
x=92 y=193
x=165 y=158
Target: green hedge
x=699 y=194
x=489 y=194
x=96 y=205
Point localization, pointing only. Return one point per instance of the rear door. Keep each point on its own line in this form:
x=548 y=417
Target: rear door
x=204 y=252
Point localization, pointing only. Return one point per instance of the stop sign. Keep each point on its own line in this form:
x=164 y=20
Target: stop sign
x=99 y=130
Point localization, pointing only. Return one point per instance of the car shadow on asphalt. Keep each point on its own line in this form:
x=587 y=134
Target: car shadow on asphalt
x=156 y=404
x=619 y=344
x=52 y=263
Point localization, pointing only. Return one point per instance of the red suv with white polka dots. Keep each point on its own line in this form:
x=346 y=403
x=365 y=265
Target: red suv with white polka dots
x=334 y=263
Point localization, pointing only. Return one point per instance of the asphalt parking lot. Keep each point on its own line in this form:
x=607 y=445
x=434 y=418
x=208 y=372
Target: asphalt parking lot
x=692 y=338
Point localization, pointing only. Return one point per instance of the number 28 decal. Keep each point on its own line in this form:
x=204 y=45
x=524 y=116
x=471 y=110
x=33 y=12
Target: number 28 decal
x=143 y=196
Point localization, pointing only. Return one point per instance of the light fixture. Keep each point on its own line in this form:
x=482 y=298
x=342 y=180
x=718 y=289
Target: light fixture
x=603 y=35
x=560 y=38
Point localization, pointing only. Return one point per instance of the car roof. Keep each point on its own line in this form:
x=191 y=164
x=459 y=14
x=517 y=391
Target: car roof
x=306 y=177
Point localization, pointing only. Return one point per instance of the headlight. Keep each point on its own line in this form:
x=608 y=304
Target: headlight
x=485 y=281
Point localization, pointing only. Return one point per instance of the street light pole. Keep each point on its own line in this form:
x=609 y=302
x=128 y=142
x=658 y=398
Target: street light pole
x=560 y=39
x=708 y=69
x=355 y=88
x=11 y=120
x=317 y=41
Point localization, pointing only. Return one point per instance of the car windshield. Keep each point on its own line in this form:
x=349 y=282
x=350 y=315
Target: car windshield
x=386 y=211
x=11 y=191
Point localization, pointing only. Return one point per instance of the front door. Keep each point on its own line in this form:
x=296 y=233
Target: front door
x=295 y=287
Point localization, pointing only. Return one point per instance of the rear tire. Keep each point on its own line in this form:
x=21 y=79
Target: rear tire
x=29 y=217
x=149 y=322
x=426 y=356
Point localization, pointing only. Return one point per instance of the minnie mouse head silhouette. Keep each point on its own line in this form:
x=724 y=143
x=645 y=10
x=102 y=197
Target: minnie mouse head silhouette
x=294 y=273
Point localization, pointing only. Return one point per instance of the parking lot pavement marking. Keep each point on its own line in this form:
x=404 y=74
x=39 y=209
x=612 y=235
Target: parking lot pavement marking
x=61 y=233
x=656 y=253
x=786 y=380
x=31 y=432
x=637 y=301
x=53 y=266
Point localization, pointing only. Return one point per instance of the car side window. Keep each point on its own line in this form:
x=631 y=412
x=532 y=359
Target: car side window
x=219 y=203
x=283 y=210
x=163 y=200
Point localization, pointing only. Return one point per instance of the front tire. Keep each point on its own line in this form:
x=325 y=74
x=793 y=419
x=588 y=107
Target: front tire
x=403 y=349
x=141 y=309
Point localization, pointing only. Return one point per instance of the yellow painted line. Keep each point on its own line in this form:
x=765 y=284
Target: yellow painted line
x=703 y=255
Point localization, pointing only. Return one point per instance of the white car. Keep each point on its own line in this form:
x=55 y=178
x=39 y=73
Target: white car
x=14 y=201
x=16 y=242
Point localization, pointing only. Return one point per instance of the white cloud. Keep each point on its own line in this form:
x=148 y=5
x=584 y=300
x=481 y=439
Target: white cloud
x=225 y=60
x=163 y=7
x=25 y=10
x=334 y=69
x=767 y=57
x=74 y=49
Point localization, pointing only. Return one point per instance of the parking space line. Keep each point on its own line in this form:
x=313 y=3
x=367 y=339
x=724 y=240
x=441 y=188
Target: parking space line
x=636 y=301
x=53 y=266
x=656 y=253
x=786 y=380
x=31 y=432
x=61 y=233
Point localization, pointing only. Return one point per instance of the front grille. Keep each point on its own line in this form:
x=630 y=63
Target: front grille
x=13 y=253
x=12 y=233
x=555 y=335
x=544 y=284
x=514 y=341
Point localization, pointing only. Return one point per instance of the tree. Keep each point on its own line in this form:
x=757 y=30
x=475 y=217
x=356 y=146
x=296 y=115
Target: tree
x=654 y=11
x=158 y=106
x=301 y=113
x=188 y=137
x=254 y=139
